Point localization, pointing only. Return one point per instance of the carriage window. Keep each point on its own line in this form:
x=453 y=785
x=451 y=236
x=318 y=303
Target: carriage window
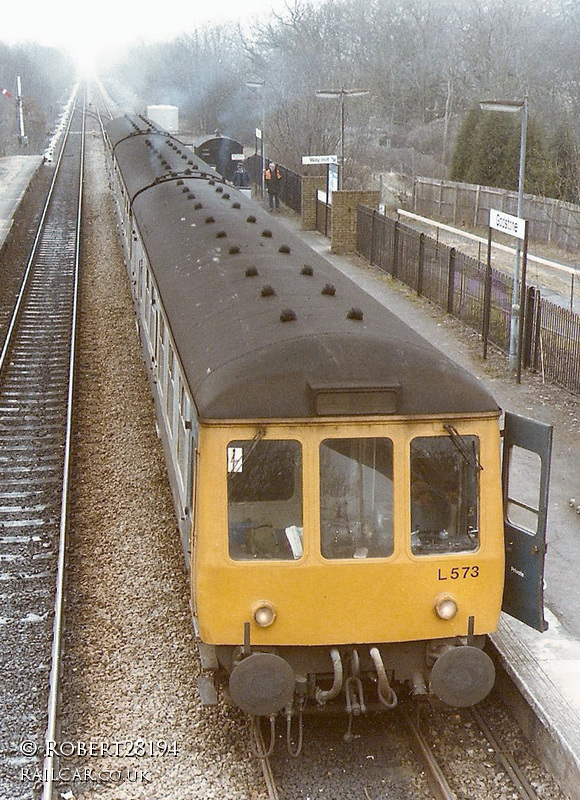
x=264 y=499
x=444 y=494
x=356 y=498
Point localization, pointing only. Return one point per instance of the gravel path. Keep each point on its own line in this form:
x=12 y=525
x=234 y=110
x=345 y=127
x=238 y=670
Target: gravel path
x=130 y=659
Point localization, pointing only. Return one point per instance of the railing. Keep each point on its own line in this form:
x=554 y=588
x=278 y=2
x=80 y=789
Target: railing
x=555 y=344
x=456 y=283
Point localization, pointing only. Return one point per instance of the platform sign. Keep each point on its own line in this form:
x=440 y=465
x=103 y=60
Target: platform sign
x=331 y=183
x=320 y=160
x=518 y=227
x=513 y=226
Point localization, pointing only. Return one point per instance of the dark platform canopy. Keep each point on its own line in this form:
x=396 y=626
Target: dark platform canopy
x=217 y=150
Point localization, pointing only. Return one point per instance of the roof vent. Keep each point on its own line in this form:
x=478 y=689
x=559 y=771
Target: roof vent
x=355 y=313
x=251 y=272
x=268 y=291
x=267 y=233
x=287 y=315
x=307 y=270
x=283 y=248
x=251 y=218
x=330 y=289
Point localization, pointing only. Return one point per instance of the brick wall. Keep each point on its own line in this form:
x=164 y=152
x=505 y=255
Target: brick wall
x=344 y=217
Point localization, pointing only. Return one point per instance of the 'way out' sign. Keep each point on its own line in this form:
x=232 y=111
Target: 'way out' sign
x=514 y=226
x=319 y=159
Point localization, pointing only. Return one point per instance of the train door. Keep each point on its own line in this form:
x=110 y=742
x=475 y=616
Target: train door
x=525 y=475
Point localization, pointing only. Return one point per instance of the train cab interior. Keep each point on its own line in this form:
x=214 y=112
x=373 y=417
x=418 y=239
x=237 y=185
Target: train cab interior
x=356 y=479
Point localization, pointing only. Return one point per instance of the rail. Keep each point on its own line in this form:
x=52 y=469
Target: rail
x=517 y=777
x=36 y=394
x=435 y=777
x=258 y=746
x=54 y=695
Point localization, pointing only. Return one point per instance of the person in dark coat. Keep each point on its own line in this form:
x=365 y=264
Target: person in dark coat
x=241 y=177
x=273 y=181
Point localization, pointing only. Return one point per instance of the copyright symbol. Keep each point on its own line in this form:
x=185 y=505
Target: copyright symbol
x=28 y=748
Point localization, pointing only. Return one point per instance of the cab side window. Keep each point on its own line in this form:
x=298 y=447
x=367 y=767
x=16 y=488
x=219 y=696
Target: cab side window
x=444 y=494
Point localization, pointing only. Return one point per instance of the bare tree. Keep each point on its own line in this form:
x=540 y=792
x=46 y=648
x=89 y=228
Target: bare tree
x=424 y=62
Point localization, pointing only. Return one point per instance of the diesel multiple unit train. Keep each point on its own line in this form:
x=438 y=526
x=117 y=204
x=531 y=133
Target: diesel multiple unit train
x=347 y=514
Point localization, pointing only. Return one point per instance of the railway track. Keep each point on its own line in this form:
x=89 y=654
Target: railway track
x=435 y=774
x=469 y=758
x=36 y=385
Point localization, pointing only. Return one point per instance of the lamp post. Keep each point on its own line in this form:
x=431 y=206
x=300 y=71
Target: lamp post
x=512 y=107
x=341 y=94
x=259 y=86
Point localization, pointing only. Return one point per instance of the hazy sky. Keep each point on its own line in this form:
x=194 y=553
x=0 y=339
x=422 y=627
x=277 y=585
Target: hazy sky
x=100 y=24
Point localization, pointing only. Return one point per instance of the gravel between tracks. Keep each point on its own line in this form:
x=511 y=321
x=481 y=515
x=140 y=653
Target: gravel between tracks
x=130 y=662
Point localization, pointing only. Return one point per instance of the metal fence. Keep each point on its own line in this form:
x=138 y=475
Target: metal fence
x=555 y=347
x=457 y=283
x=324 y=218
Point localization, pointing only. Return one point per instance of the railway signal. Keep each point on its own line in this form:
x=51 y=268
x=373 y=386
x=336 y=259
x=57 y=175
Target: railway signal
x=22 y=138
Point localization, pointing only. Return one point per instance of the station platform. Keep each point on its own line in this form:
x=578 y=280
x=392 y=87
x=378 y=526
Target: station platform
x=15 y=174
x=545 y=667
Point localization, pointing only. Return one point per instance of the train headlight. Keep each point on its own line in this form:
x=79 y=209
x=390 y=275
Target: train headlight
x=445 y=606
x=264 y=614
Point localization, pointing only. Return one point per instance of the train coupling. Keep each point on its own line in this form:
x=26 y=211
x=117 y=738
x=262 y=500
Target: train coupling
x=347 y=676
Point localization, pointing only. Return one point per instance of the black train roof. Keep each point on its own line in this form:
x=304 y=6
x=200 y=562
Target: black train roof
x=264 y=326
